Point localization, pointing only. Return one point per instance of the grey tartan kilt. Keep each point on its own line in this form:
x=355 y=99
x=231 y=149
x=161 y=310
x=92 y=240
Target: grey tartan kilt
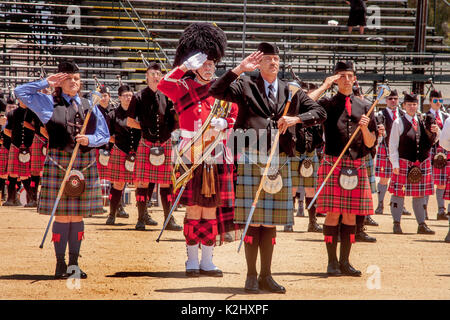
x=271 y=209
x=90 y=201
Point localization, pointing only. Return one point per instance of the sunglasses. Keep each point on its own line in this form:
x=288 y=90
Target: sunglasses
x=393 y=98
x=436 y=100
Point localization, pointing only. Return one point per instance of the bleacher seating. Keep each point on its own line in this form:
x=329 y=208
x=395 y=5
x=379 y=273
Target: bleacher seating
x=110 y=34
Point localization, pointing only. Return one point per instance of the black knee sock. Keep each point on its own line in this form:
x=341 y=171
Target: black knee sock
x=331 y=239
x=347 y=238
x=27 y=186
x=266 y=244
x=166 y=204
x=251 y=244
x=150 y=189
x=2 y=187
x=12 y=188
x=360 y=222
x=35 y=180
x=60 y=238
x=141 y=203
x=76 y=234
x=115 y=196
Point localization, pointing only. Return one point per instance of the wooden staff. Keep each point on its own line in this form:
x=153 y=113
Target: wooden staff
x=384 y=91
x=95 y=100
x=293 y=88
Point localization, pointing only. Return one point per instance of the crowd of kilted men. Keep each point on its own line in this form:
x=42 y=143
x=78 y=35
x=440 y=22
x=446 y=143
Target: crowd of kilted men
x=133 y=143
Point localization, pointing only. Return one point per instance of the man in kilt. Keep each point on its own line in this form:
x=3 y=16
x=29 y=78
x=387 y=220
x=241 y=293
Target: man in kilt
x=104 y=152
x=209 y=194
x=438 y=155
x=63 y=115
x=22 y=134
x=261 y=100
x=152 y=112
x=347 y=193
x=121 y=164
x=444 y=142
x=410 y=142
x=5 y=143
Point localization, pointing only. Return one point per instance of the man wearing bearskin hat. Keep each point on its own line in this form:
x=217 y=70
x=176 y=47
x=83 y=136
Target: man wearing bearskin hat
x=63 y=115
x=412 y=137
x=262 y=99
x=438 y=155
x=152 y=112
x=209 y=194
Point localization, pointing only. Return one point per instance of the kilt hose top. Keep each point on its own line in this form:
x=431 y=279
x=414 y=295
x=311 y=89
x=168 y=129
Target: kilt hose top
x=271 y=209
x=90 y=201
x=333 y=198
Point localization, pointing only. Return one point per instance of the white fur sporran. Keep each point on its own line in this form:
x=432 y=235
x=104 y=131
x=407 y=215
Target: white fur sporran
x=306 y=168
x=103 y=157
x=157 y=156
x=348 y=178
x=273 y=182
x=24 y=155
x=130 y=162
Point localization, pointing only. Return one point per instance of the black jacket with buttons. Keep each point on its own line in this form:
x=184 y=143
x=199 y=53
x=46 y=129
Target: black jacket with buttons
x=126 y=138
x=339 y=127
x=249 y=93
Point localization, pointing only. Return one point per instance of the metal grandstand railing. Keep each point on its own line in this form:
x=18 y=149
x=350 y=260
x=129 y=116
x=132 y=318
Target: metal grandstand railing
x=147 y=36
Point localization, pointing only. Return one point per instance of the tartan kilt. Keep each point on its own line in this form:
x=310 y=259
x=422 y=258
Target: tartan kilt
x=102 y=170
x=145 y=172
x=37 y=157
x=337 y=200
x=297 y=179
x=90 y=202
x=15 y=167
x=116 y=167
x=447 y=185
x=439 y=175
x=400 y=187
x=3 y=160
x=370 y=174
x=271 y=209
x=383 y=166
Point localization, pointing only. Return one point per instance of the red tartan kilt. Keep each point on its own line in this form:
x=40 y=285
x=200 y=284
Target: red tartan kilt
x=37 y=157
x=400 y=187
x=335 y=199
x=15 y=167
x=116 y=167
x=439 y=175
x=3 y=161
x=146 y=172
x=102 y=170
x=447 y=185
x=225 y=176
x=383 y=167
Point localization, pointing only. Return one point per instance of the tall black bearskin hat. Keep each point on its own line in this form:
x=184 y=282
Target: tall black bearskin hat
x=201 y=37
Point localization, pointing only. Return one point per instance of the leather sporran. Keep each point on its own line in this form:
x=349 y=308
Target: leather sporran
x=348 y=178
x=440 y=160
x=75 y=184
x=157 y=156
x=414 y=174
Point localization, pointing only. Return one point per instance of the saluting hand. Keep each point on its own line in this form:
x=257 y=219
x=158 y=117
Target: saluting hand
x=330 y=80
x=250 y=63
x=55 y=80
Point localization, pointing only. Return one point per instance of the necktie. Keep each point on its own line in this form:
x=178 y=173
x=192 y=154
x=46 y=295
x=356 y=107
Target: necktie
x=438 y=120
x=414 y=124
x=271 y=97
x=395 y=114
x=348 y=105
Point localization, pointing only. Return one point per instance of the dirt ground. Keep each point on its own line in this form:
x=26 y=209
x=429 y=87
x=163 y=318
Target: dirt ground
x=123 y=263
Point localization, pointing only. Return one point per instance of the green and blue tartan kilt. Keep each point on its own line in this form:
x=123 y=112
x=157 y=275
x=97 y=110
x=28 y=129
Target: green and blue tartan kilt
x=271 y=209
x=90 y=201
x=371 y=175
x=297 y=179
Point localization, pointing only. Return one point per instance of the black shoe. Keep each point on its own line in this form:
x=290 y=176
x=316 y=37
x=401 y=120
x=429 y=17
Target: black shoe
x=267 y=283
x=333 y=269
x=77 y=273
x=397 y=228
x=447 y=238
x=368 y=221
x=406 y=212
x=61 y=270
x=320 y=215
x=31 y=204
x=379 y=210
x=314 y=227
x=361 y=236
x=348 y=270
x=288 y=228
x=171 y=225
x=121 y=213
x=441 y=216
x=149 y=221
x=140 y=226
x=423 y=229
x=192 y=273
x=228 y=238
x=212 y=273
x=10 y=203
x=251 y=284
x=111 y=220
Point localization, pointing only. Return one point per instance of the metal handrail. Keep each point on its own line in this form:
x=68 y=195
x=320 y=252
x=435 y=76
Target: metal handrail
x=146 y=30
